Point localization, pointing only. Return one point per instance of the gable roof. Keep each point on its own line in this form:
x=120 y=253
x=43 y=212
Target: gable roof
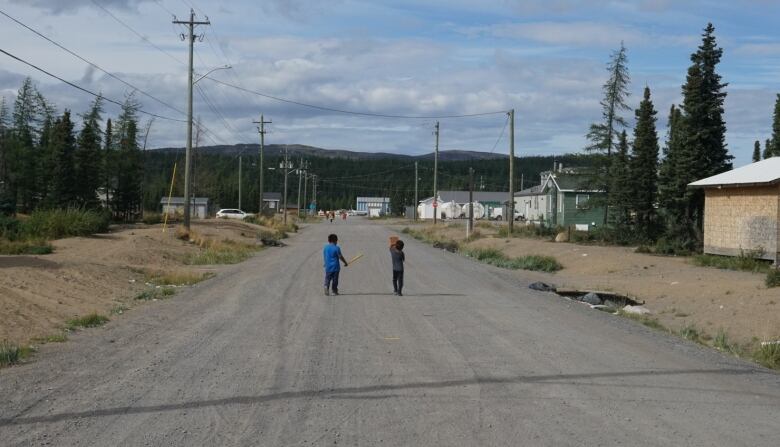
x=764 y=172
x=180 y=201
x=479 y=196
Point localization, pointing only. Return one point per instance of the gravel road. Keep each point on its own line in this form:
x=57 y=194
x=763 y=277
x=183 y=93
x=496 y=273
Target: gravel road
x=468 y=357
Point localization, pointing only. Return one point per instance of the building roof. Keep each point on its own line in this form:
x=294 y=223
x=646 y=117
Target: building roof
x=463 y=196
x=764 y=172
x=272 y=196
x=180 y=201
x=532 y=191
x=373 y=199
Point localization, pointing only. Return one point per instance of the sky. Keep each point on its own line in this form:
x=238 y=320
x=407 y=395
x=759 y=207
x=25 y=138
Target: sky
x=544 y=58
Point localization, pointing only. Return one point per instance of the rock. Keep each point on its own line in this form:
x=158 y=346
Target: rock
x=638 y=310
x=591 y=298
x=562 y=237
x=542 y=287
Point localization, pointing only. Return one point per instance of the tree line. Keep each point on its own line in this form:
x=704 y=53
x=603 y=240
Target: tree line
x=45 y=163
x=646 y=194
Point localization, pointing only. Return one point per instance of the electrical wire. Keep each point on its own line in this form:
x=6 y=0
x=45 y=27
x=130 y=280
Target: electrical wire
x=97 y=95
x=349 y=112
x=501 y=135
x=94 y=65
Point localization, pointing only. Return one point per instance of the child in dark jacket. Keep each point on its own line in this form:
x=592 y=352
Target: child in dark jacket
x=398 y=257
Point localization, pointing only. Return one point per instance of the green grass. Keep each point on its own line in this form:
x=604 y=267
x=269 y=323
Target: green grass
x=32 y=247
x=54 y=338
x=60 y=223
x=11 y=354
x=690 y=332
x=226 y=252
x=91 y=320
x=533 y=231
x=644 y=319
x=772 y=278
x=768 y=355
x=746 y=262
x=156 y=294
x=497 y=258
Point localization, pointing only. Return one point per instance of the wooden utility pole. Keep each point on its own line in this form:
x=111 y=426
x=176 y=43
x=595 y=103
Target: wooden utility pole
x=190 y=36
x=416 y=198
x=286 y=169
x=435 y=177
x=511 y=209
x=305 y=192
x=300 y=174
x=261 y=129
x=470 y=227
x=239 y=182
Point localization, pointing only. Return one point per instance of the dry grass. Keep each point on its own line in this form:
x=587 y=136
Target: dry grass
x=176 y=278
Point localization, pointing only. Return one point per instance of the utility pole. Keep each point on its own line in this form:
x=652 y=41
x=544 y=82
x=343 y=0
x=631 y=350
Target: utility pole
x=305 y=191
x=300 y=173
x=239 y=181
x=314 y=189
x=511 y=171
x=261 y=129
x=470 y=226
x=286 y=168
x=191 y=24
x=416 y=199
x=435 y=177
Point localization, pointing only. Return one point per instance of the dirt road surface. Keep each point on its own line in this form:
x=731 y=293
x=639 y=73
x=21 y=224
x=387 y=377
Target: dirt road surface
x=468 y=357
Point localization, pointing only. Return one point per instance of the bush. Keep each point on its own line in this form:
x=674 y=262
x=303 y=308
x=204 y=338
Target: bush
x=11 y=354
x=527 y=231
x=768 y=354
x=497 y=258
x=57 y=224
x=9 y=227
x=151 y=218
x=773 y=278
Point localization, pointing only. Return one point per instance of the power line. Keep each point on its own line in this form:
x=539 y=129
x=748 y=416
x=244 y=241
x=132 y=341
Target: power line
x=144 y=38
x=349 y=112
x=91 y=63
x=371 y=174
x=97 y=95
x=501 y=135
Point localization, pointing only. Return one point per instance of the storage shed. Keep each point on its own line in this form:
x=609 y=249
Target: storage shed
x=742 y=209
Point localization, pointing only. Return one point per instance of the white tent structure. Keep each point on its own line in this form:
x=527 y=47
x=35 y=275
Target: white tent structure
x=449 y=210
x=479 y=210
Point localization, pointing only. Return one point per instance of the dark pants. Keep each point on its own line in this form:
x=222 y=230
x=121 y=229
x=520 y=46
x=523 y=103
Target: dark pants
x=398 y=280
x=332 y=280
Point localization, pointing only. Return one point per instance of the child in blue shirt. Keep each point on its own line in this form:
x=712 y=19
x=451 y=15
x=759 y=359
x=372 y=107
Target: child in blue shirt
x=331 y=255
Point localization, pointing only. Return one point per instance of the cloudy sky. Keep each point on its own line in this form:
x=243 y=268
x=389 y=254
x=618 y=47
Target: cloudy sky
x=545 y=58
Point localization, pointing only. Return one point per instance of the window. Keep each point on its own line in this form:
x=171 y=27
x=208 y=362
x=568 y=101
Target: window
x=582 y=201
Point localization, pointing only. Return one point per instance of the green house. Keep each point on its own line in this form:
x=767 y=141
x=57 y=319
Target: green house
x=571 y=204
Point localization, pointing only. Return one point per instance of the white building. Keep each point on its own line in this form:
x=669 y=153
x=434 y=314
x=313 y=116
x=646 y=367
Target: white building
x=449 y=201
x=199 y=207
x=373 y=206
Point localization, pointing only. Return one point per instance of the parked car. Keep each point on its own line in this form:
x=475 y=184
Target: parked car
x=232 y=213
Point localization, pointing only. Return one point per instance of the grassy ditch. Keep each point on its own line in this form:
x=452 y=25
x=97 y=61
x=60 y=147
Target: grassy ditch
x=497 y=258
x=213 y=252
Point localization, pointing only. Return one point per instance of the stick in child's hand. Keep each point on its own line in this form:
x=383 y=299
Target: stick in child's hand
x=355 y=258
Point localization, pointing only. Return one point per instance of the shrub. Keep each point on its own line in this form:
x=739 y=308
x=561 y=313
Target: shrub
x=152 y=218
x=691 y=333
x=91 y=320
x=497 y=258
x=57 y=224
x=773 y=278
x=722 y=342
x=176 y=278
x=768 y=354
x=9 y=227
x=527 y=231
x=11 y=354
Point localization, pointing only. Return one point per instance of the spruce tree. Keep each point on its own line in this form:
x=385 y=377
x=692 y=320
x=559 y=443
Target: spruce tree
x=88 y=158
x=63 y=144
x=644 y=168
x=602 y=135
x=6 y=206
x=767 y=149
x=24 y=156
x=129 y=163
x=774 y=149
x=107 y=159
x=756 y=151
x=671 y=187
x=620 y=185
x=704 y=151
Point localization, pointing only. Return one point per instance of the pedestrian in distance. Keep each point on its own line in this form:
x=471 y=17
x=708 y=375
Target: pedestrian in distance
x=398 y=257
x=332 y=255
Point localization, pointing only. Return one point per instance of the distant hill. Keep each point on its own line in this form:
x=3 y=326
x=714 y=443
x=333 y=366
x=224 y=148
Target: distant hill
x=297 y=150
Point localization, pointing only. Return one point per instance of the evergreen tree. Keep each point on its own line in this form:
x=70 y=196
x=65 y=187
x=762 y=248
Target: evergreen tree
x=756 y=151
x=671 y=188
x=767 y=149
x=621 y=185
x=644 y=168
x=774 y=149
x=88 y=158
x=129 y=163
x=704 y=151
x=6 y=206
x=602 y=135
x=107 y=160
x=63 y=145
x=23 y=176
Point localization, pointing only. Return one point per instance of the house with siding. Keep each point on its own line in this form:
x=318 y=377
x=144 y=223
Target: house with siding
x=742 y=209
x=562 y=200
